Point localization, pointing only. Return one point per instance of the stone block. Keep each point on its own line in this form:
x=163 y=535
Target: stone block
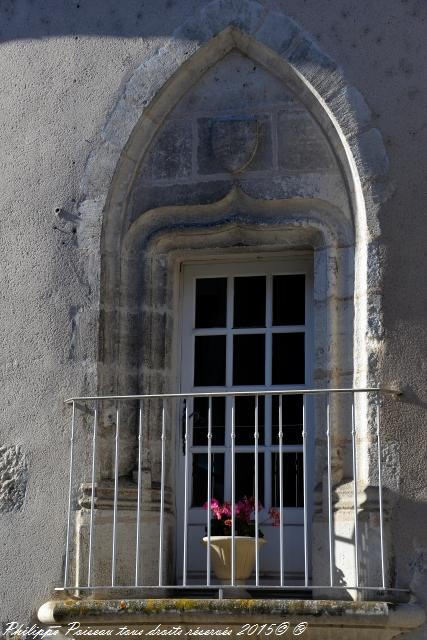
x=13 y=479
x=126 y=542
x=193 y=30
x=210 y=163
x=317 y=69
x=370 y=154
x=296 y=185
x=242 y=14
x=150 y=77
x=100 y=168
x=170 y=153
x=277 y=32
x=235 y=82
x=148 y=197
x=120 y=125
x=154 y=324
x=302 y=146
x=350 y=109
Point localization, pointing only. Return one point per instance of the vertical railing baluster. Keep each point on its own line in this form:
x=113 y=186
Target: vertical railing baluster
x=185 y=560
x=356 y=536
x=70 y=492
x=328 y=438
x=209 y=513
x=92 y=500
x=304 y=467
x=162 y=493
x=138 y=504
x=116 y=492
x=281 y=548
x=233 y=491
x=380 y=489
x=256 y=436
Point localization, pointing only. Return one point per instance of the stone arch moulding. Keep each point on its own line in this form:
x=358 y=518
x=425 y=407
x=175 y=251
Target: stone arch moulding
x=277 y=43
x=160 y=238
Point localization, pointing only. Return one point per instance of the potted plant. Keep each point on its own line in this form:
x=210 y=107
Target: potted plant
x=244 y=537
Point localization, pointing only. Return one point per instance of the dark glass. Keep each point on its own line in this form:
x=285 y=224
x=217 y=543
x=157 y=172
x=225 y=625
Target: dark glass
x=288 y=358
x=209 y=361
x=245 y=476
x=249 y=301
x=211 y=302
x=248 y=359
x=200 y=478
x=292 y=410
x=200 y=421
x=288 y=300
x=245 y=419
x=293 y=480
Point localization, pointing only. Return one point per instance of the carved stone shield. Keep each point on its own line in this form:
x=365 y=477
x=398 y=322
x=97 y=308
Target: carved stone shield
x=234 y=142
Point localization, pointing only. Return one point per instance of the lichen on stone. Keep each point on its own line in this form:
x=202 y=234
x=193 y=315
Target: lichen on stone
x=13 y=478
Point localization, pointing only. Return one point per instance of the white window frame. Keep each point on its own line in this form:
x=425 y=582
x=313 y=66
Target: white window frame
x=293 y=262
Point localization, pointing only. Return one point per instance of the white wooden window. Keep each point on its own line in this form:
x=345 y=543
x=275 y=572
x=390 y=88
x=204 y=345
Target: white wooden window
x=246 y=325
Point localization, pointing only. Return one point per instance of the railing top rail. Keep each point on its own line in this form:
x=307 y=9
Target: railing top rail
x=251 y=392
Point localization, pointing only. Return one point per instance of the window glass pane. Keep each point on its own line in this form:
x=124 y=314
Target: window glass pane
x=200 y=478
x=293 y=493
x=200 y=421
x=248 y=359
x=289 y=300
x=291 y=419
x=211 y=302
x=288 y=358
x=209 y=361
x=245 y=476
x=245 y=419
x=249 y=301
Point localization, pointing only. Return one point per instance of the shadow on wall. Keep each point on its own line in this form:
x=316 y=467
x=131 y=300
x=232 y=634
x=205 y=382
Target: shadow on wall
x=22 y=19
x=407 y=570
x=411 y=567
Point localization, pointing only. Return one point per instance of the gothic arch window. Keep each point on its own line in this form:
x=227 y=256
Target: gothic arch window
x=236 y=157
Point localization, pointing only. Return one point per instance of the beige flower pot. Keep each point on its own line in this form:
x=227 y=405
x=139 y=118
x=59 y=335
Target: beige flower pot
x=244 y=556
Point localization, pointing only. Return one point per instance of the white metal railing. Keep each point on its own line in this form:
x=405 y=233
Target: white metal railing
x=93 y=405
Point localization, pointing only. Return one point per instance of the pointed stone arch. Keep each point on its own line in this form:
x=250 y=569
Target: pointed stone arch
x=278 y=43
x=280 y=46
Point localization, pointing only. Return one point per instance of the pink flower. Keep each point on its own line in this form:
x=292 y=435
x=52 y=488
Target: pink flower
x=215 y=508
x=243 y=511
x=226 y=510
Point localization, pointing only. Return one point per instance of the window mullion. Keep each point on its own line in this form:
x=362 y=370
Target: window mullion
x=229 y=346
x=228 y=382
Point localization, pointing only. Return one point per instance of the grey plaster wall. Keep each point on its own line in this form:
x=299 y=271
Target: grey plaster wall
x=63 y=68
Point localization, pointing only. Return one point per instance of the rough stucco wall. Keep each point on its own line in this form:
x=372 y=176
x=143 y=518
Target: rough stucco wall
x=389 y=75
x=62 y=66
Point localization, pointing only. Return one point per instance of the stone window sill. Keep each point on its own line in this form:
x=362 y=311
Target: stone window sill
x=324 y=618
